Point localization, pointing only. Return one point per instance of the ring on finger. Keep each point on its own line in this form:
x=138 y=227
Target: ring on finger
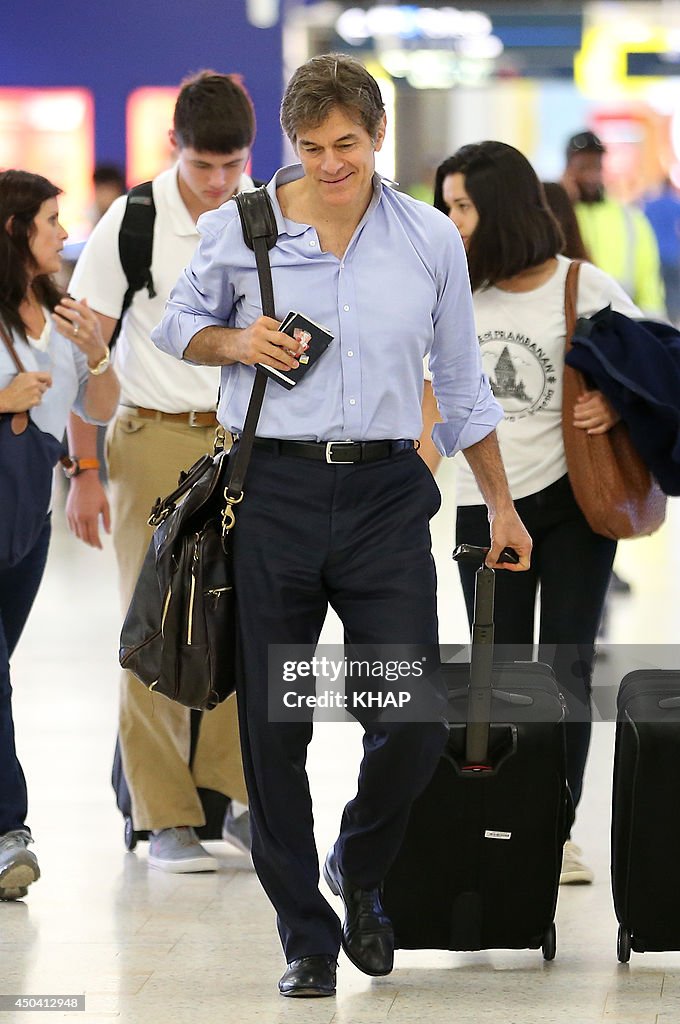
x=76 y=328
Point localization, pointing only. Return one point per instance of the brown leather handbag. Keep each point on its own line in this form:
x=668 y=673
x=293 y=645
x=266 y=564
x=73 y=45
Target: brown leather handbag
x=612 y=485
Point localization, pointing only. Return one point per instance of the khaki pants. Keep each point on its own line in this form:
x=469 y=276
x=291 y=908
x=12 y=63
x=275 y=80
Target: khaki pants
x=145 y=458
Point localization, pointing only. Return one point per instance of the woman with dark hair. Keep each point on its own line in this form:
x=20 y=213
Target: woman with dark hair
x=514 y=245
x=65 y=364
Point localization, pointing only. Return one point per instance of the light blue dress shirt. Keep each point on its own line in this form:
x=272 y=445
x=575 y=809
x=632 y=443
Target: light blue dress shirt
x=54 y=354
x=400 y=293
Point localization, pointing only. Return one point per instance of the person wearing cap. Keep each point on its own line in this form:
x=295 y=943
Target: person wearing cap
x=619 y=238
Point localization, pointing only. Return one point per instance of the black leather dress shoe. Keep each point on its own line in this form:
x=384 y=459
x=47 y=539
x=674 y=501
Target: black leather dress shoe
x=367 y=934
x=309 y=976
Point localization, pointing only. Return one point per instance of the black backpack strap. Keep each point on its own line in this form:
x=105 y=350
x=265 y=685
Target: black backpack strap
x=135 y=245
x=260 y=233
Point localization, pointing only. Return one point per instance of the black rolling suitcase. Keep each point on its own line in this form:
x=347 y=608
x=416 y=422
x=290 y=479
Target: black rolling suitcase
x=480 y=863
x=214 y=804
x=645 y=816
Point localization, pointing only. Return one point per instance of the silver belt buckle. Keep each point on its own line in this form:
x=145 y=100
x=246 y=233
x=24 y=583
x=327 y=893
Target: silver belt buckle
x=329 y=452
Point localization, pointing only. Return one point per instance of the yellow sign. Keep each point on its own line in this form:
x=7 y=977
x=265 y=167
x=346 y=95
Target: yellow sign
x=600 y=67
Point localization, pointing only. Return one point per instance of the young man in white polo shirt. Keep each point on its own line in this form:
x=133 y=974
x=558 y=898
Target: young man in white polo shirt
x=165 y=422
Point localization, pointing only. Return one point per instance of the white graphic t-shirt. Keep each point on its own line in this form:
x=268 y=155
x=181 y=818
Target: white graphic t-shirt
x=522 y=336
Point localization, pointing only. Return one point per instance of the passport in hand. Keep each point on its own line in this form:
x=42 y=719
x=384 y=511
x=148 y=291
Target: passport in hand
x=313 y=336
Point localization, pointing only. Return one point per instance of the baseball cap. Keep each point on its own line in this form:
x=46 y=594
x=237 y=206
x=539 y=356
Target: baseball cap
x=584 y=142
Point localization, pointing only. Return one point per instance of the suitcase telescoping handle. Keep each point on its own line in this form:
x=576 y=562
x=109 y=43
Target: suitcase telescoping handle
x=481 y=654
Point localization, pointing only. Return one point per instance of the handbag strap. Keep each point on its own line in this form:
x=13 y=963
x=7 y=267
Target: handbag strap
x=260 y=232
x=20 y=420
x=24 y=417
x=570 y=300
x=9 y=344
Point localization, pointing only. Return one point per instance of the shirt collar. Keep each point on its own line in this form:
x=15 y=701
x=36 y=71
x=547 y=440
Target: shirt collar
x=293 y=172
x=43 y=342
x=284 y=175
x=181 y=220
x=182 y=223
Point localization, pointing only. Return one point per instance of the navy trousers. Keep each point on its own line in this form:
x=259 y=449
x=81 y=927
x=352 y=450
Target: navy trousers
x=309 y=534
x=18 y=587
x=572 y=566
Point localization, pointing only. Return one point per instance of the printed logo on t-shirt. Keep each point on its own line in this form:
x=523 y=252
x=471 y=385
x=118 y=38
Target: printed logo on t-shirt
x=522 y=376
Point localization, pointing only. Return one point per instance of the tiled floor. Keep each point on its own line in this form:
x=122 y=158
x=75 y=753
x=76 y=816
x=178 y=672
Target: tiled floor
x=146 y=947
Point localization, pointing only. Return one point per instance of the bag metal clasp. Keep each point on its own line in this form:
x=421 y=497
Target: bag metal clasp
x=228 y=514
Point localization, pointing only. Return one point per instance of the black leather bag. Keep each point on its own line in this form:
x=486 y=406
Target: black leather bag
x=27 y=457
x=179 y=634
x=177 y=637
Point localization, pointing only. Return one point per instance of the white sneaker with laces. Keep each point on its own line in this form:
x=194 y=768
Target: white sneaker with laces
x=18 y=866
x=236 y=828
x=574 y=871
x=178 y=850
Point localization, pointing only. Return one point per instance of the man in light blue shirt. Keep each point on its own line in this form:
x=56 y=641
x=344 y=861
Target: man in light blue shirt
x=341 y=523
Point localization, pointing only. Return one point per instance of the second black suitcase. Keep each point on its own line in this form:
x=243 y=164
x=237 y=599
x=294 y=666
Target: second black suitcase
x=645 y=816
x=480 y=863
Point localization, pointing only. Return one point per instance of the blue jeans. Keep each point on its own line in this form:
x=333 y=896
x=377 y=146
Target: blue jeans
x=18 y=587
x=572 y=566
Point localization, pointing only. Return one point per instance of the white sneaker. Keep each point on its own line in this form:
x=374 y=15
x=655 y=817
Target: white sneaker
x=178 y=850
x=574 y=871
x=236 y=829
x=18 y=866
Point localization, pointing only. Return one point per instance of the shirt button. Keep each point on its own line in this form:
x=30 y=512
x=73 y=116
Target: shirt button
x=346 y=309
x=312 y=244
x=350 y=353
x=352 y=401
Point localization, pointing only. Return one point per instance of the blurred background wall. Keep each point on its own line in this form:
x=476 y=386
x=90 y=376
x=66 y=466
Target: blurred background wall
x=88 y=81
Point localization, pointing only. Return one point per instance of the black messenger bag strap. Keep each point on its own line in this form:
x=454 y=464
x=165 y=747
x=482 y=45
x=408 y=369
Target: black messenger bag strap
x=260 y=233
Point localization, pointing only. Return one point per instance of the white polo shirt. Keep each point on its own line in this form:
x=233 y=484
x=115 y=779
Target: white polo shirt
x=149 y=378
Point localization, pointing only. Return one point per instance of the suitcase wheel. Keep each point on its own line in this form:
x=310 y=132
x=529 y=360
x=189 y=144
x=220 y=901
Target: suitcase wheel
x=549 y=943
x=130 y=837
x=623 y=945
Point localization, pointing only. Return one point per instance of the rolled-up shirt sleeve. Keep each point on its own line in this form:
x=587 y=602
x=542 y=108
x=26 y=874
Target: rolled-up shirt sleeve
x=454 y=436
x=466 y=403
x=203 y=295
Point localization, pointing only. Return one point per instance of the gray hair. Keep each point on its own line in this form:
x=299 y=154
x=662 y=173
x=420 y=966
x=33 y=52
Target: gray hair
x=325 y=83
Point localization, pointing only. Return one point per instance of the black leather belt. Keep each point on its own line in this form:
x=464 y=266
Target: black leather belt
x=335 y=452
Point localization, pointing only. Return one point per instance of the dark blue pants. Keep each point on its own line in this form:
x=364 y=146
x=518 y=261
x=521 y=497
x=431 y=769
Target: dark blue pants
x=356 y=537
x=18 y=587
x=572 y=566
